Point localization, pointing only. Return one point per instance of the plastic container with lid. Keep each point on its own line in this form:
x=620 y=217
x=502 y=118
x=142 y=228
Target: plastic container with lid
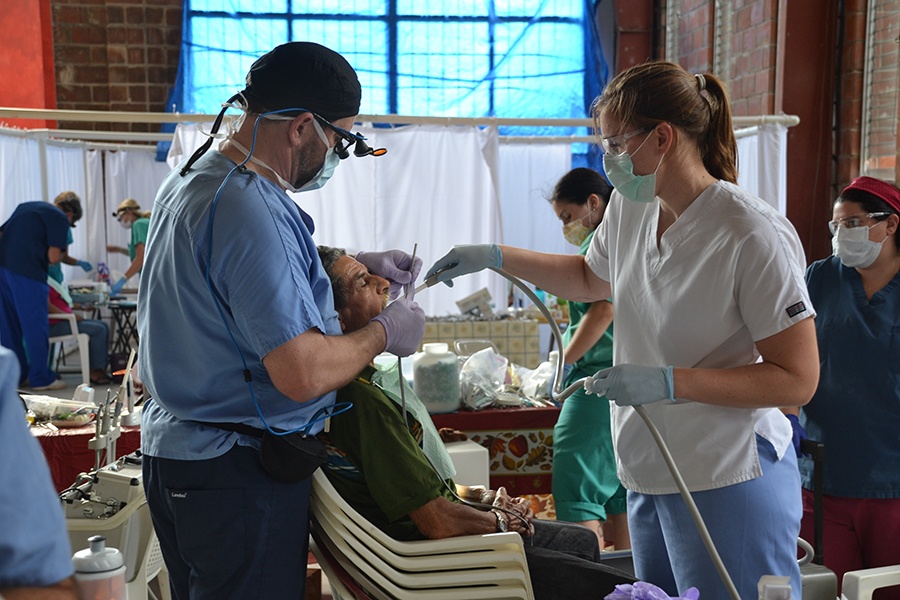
x=436 y=378
x=99 y=571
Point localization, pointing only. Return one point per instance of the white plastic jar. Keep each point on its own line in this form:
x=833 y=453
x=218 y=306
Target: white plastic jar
x=436 y=378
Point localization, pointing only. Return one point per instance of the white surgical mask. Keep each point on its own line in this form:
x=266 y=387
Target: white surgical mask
x=125 y=224
x=318 y=180
x=575 y=231
x=853 y=246
x=620 y=171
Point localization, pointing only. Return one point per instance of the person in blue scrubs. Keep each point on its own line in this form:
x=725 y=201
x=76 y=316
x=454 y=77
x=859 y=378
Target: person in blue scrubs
x=35 y=558
x=855 y=411
x=34 y=237
x=69 y=203
x=239 y=333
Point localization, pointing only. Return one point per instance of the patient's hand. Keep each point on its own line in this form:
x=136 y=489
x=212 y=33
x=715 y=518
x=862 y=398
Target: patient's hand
x=452 y=435
x=518 y=506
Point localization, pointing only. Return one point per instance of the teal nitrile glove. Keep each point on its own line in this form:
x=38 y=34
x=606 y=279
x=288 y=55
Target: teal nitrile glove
x=630 y=385
x=116 y=288
x=465 y=259
x=84 y=265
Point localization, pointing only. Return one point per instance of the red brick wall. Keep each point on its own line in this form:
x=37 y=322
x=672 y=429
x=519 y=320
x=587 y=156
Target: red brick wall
x=695 y=43
x=755 y=30
x=115 y=55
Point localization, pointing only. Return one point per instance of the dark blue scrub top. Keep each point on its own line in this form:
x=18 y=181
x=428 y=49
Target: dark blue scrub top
x=26 y=236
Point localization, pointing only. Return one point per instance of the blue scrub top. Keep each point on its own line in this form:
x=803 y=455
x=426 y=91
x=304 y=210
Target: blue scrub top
x=34 y=546
x=266 y=274
x=855 y=411
x=27 y=235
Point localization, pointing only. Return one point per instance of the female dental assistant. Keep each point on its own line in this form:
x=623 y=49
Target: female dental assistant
x=586 y=489
x=706 y=279
x=131 y=217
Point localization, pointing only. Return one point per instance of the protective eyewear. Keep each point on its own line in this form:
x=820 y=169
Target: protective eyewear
x=614 y=145
x=342 y=148
x=854 y=221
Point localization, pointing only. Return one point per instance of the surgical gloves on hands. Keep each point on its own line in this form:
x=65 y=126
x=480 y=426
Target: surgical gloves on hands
x=404 y=325
x=116 y=288
x=84 y=265
x=641 y=590
x=465 y=259
x=396 y=266
x=630 y=385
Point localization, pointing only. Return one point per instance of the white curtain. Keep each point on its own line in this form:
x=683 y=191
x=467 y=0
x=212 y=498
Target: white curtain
x=66 y=172
x=437 y=186
x=21 y=168
x=132 y=173
x=762 y=163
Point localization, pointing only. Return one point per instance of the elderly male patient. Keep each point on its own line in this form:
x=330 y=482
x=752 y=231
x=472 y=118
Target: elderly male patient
x=386 y=464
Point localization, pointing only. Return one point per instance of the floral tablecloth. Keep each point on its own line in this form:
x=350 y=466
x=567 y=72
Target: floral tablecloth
x=520 y=446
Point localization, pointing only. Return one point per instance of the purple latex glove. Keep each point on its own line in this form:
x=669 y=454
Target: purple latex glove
x=396 y=266
x=642 y=590
x=404 y=326
x=799 y=434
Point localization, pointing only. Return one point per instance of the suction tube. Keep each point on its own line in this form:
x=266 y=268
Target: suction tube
x=559 y=394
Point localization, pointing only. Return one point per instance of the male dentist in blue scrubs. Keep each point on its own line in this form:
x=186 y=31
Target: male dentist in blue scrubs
x=239 y=333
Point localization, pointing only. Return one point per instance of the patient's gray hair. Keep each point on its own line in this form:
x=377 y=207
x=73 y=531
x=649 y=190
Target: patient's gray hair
x=329 y=256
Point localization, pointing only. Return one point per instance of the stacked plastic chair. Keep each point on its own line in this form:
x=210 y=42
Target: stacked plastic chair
x=361 y=561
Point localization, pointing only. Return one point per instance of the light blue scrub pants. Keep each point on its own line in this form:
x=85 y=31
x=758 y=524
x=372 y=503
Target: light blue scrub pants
x=754 y=526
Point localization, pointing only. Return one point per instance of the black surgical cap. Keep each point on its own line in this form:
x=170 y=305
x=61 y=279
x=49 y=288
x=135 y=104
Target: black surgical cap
x=304 y=75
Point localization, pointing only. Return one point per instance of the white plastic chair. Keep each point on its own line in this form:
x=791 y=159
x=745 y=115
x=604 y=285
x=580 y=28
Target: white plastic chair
x=73 y=336
x=859 y=585
x=468 y=567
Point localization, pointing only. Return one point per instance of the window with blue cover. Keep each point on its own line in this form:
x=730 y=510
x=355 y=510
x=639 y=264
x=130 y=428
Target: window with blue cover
x=444 y=58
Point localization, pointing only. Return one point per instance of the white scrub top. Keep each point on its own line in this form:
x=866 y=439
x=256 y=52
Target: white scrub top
x=727 y=273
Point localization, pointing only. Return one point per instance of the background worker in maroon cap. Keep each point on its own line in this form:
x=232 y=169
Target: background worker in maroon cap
x=856 y=408
x=239 y=336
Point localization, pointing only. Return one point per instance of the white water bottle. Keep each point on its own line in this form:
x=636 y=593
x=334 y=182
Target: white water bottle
x=99 y=571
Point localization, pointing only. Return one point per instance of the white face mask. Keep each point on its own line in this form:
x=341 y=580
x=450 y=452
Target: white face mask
x=318 y=180
x=125 y=224
x=620 y=171
x=853 y=246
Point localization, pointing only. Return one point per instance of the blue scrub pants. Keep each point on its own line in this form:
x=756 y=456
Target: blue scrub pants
x=98 y=339
x=24 y=327
x=227 y=529
x=754 y=526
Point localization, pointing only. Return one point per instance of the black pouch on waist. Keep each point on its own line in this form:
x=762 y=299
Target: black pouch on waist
x=290 y=458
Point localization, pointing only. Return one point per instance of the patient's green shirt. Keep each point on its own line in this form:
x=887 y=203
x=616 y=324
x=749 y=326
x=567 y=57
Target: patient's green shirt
x=376 y=462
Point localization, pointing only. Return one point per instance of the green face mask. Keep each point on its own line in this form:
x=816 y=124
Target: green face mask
x=620 y=171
